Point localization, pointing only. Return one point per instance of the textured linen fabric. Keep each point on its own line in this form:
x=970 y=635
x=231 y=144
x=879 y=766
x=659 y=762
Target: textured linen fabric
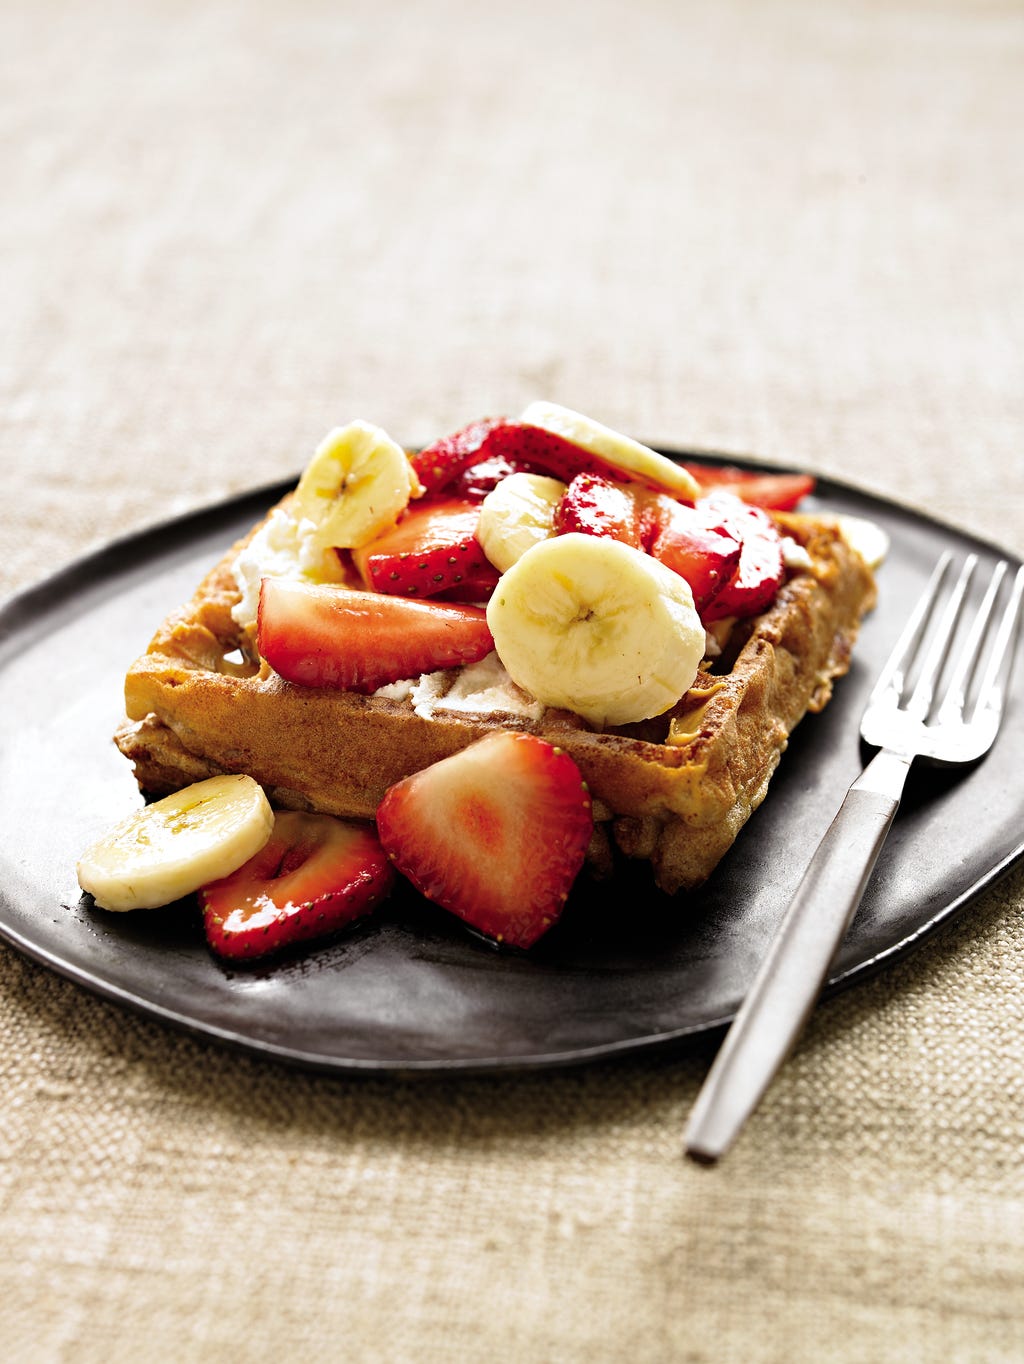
x=786 y=229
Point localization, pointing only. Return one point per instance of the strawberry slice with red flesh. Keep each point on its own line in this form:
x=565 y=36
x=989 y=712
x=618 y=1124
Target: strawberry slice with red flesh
x=315 y=876
x=481 y=478
x=473 y=460
x=519 y=446
x=476 y=586
x=542 y=452
x=496 y=834
x=438 y=464
x=592 y=505
x=774 y=492
x=761 y=569
x=322 y=635
x=431 y=549
x=696 y=543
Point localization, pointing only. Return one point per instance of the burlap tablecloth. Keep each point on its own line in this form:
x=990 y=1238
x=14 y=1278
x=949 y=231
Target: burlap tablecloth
x=789 y=229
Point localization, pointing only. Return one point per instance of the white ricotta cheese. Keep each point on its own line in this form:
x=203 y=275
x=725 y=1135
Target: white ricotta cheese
x=283 y=548
x=483 y=688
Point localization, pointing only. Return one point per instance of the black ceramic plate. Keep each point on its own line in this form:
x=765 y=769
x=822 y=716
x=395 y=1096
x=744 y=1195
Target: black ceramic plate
x=410 y=991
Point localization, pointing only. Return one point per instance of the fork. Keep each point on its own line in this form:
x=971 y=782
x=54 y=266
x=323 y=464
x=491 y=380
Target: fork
x=905 y=719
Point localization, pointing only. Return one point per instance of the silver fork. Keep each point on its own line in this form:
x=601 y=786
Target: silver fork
x=905 y=719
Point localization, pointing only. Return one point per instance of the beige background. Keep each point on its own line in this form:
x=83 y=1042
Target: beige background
x=789 y=229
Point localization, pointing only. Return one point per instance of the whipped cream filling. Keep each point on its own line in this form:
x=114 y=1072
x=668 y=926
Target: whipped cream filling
x=482 y=688
x=794 y=556
x=283 y=548
x=867 y=537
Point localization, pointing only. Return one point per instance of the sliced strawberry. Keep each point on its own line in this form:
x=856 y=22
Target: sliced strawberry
x=503 y=445
x=497 y=443
x=593 y=505
x=438 y=464
x=774 y=492
x=542 y=452
x=761 y=568
x=322 y=635
x=476 y=586
x=696 y=543
x=481 y=478
x=433 y=548
x=315 y=876
x=496 y=833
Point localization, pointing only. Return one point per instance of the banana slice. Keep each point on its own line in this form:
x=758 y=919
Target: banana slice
x=594 y=626
x=174 y=846
x=630 y=456
x=517 y=514
x=357 y=485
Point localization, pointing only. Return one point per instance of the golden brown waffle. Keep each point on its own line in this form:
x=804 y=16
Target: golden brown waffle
x=674 y=791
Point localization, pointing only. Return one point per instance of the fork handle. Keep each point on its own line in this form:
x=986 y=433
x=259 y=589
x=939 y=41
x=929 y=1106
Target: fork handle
x=791 y=977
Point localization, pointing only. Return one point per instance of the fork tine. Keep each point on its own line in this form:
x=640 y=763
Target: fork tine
x=921 y=702
x=892 y=677
x=997 y=674
x=955 y=699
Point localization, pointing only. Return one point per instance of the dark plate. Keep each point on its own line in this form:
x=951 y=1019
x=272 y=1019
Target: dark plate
x=411 y=992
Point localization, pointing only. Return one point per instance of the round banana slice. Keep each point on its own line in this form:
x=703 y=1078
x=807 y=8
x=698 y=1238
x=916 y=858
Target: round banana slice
x=174 y=846
x=594 y=626
x=517 y=514
x=638 y=461
x=357 y=485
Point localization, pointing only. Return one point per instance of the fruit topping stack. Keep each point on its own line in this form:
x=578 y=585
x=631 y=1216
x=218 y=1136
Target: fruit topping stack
x=590 y=563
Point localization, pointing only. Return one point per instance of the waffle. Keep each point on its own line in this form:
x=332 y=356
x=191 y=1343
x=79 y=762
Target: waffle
x=674 y=791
